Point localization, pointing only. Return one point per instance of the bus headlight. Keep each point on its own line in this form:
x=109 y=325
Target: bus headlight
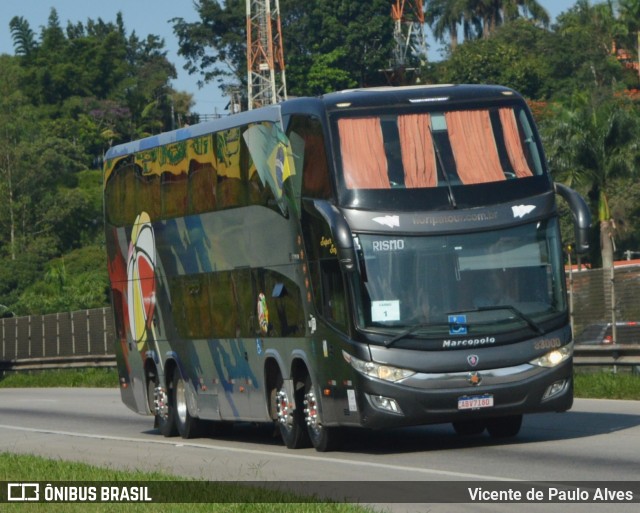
x=555 y=357
x=377 y=370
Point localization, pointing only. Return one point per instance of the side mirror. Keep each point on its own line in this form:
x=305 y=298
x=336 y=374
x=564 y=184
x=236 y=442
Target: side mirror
x=581 y=216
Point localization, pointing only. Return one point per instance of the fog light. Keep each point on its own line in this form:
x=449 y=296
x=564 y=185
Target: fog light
x=555 y=389
x=384 y=403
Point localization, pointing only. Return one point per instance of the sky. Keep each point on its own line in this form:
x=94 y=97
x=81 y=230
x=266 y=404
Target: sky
x=152 y=17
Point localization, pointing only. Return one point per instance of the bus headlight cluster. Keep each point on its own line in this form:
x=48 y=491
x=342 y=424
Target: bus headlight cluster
x=555 y=357
x=377 y=370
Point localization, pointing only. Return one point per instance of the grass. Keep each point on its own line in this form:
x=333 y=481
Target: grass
x=90 y=377
x=607 y=385
x=224 y=497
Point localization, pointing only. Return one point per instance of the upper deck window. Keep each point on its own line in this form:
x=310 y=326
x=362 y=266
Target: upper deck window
x=430 y=149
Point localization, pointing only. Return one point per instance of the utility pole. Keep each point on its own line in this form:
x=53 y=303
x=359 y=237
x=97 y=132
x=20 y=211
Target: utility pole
x=408 y=30
x=409 y=35
x=266 y=83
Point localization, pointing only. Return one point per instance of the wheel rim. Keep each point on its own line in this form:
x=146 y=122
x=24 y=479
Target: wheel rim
x=311 y=414
x=161 y=402
x=283 y=410
x=181 y=402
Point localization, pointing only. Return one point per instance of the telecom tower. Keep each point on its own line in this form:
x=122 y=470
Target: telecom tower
x=409 y=34
x=265 y=57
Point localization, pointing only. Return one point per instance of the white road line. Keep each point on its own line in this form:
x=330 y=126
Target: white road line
x=270 y=454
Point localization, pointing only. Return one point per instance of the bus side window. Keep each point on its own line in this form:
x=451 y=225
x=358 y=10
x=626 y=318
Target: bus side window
x=121 y=194
x=288 y=317
x=329 y=292
x=202 y=188
x=174 y=194
x=148 y=195
x=190 y=305
x=316 y=181
x=230 y=161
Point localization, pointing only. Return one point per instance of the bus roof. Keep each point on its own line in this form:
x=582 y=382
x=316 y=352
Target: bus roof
x=350 y=98
x=376 y=96
x=270 y=113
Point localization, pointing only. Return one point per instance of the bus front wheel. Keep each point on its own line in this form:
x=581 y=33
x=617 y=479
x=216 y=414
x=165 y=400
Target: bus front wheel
x=322 y=438
x=504 y=427
x=469 y=427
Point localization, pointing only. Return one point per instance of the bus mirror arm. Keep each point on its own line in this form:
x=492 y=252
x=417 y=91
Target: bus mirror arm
x=581 y=215
x=340 y=233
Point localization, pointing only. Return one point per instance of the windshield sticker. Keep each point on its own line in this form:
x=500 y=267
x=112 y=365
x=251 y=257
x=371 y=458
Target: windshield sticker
x=390 y=221
x=388 y=245
x=522 y=210
x=457 y=325
x=382 y=311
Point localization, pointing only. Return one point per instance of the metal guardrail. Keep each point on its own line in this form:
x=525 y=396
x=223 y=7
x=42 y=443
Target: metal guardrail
x=611 y=354
x=85 y=339
x=59 y=362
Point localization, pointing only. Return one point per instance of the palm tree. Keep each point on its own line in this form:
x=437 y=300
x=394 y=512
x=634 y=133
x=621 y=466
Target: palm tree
x=589 y=143
x=23 y=37
x=444 y=16
x=493 y=13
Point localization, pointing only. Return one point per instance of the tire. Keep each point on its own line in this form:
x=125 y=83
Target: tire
x=187 y=426
x=322 y=438
x=163 y=419
x=290 y=422
x=469 y=427
x=504 y=427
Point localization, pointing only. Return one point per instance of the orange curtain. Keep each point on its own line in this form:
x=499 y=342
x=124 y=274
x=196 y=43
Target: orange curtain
x=513 y=143
x=418 y=156
x=474 y=147
x=364 y=162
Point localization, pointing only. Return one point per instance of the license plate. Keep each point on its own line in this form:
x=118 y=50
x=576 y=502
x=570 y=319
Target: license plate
x=475 y=402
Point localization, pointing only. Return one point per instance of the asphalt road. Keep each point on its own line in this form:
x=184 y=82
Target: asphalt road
x=598 y=440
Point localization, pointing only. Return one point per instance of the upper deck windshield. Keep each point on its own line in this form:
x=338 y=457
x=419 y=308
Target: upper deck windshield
x=418 y=149
x=497 y=281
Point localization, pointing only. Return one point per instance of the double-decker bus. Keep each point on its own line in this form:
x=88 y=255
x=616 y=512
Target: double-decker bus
x=368 y=258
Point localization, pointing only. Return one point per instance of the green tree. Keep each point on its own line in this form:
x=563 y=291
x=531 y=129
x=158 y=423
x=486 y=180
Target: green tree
x=513 y=57
x=590 y=142
x=72 y=73
x=328 y=44
x=581 y=56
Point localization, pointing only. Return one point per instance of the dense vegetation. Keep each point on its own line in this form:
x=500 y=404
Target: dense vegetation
x=69 y=93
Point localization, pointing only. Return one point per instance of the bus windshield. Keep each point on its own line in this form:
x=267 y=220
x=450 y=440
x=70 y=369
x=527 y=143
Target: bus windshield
x=496 y=281
x=423 y=149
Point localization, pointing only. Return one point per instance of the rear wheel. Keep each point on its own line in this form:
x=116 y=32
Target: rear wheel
x=290 y=419
x=187 y=426
x=469 y=427
x=504 y=427
x=322 y=438
x=164 y=417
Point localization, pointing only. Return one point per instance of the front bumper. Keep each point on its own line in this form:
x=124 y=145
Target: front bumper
x=433 y=398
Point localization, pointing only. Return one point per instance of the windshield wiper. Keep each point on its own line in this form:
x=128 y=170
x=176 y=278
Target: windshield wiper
x=413 y=329
x=520 y=315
